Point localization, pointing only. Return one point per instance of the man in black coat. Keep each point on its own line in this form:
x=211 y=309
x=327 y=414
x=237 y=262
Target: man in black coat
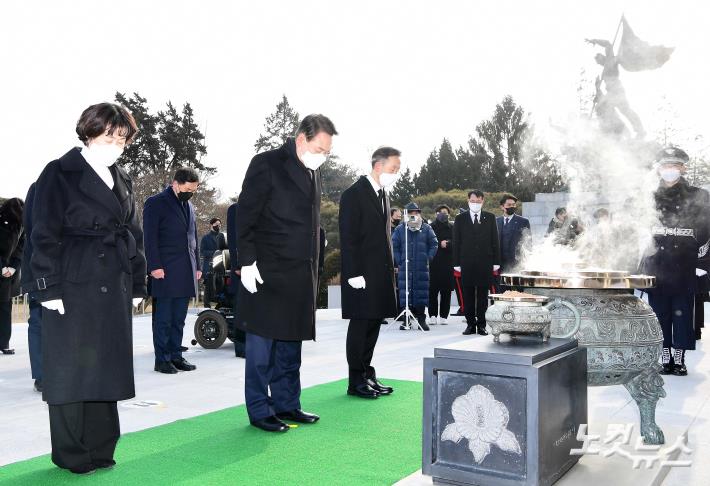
x=278 y=239
x=210 y=243
x=680 y=255
x=514 y=233
x=170 y=230
x=367 y=268
x=12 y=242
x=34 y=328
x=234 y=279
x=476 y=256
x=441 y=273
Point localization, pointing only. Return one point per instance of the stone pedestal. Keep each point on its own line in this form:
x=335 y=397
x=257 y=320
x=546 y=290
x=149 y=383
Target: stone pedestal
x=503 y=413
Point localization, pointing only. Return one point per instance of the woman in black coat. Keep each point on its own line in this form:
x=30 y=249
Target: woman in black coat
x=441 y=274
x=12 y=241
x=89 y=270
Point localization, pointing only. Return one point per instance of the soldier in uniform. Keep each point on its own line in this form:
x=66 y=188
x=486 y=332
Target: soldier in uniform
x=679 y=257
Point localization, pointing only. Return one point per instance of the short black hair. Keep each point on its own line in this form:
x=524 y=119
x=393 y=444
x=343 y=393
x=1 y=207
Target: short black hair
x=506 y=197
x=384 y=153
x=186 y=174
x=475 y=192
x=102 y=117
x=559 y=211
x=314 y=124
x=214 y=220
x=443 y=206
x=393 y=210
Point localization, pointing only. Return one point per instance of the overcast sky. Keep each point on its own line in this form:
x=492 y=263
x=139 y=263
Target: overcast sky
x=401 y=73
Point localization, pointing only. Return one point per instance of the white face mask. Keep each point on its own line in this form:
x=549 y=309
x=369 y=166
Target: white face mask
x=387 y=179
x=670 y=175
x=103 y=154
x=313 y=161
x=475 y=207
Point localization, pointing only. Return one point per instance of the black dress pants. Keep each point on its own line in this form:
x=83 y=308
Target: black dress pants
x=436 y=309
x=5 y=324
x=476 y=299
x=359 y=348
x=83 y=433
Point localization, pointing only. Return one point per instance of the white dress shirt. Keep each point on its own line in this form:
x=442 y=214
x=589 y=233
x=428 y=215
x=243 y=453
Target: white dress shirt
x=103 y=172
x=473 y=216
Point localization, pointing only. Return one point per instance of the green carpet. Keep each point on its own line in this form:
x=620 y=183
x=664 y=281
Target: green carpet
x=356 y=441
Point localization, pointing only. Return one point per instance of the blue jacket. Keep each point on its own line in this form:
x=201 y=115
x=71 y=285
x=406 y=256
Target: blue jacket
x=513 y=237
x=171 y=244
x=422 y=248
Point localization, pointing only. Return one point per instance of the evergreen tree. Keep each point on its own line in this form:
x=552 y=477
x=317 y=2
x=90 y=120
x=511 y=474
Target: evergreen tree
x=404 y=189
x=280 y=125
x=336 y=176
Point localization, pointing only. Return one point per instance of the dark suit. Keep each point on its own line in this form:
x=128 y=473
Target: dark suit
x=210 y=243
x=278 y=228
x=365 y=250
x=476 y=250
x=171 y=244
x=512 y=237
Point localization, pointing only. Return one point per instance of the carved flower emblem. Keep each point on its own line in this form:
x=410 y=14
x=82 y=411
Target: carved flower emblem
x=482 y=420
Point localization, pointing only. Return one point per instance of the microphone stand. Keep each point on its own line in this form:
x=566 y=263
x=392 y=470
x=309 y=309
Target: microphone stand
x=406 y=312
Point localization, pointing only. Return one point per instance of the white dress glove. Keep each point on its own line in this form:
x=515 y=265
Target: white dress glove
x=137 y=301
x=357 y=282
x=250 y=276
x=699 y=272
x=55 y=305
x=496 y=268
x=458 y=269
x=9 y=270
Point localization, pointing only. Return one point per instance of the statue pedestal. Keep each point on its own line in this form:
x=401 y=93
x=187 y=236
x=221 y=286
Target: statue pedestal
x=503 y=413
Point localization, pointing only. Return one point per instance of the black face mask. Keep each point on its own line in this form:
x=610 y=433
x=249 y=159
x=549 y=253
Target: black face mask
x=216 y=228
x=443 y=217
x=396 y=221
x=184 y=196
x=510 y=211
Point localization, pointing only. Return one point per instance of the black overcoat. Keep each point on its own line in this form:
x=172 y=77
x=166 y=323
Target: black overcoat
x=476 y=248
x=441 y=272
x=88 y=252
x=366 y=250
x=12 y=242
x=681 y=241
x=278 y=227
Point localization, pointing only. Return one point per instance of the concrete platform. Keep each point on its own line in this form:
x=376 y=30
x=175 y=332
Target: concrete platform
x=218 y=383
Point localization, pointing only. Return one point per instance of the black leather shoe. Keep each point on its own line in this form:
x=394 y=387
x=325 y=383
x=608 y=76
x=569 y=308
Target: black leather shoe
x=165 y=367
x=183 y=348
x=379 y=387
x=384 y=322
x=7 y=351
x=83 y=469
x=482 y=331
x=298 y=415
x=680 y=370
x=363 y=390
x=422 y=323
x=104 y=463
x=38 y=386
x=667 y=369
x=270 y=424
x=183 y=365
x=468 y=331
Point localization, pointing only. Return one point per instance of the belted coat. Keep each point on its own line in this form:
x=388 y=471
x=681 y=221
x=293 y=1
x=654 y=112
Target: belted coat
x=88 y=252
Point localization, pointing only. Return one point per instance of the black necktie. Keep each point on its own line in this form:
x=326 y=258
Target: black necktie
x=381 y=194
x=475 y=218
x=505 y=221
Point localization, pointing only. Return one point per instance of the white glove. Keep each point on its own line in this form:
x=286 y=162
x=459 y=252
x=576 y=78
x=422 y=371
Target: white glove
x=9 y=270
x=250 y=276
x=458 y=269
x=55 y=305
x=496 y=268
x=699 y=272
x=137 y=301
x=357 y=282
